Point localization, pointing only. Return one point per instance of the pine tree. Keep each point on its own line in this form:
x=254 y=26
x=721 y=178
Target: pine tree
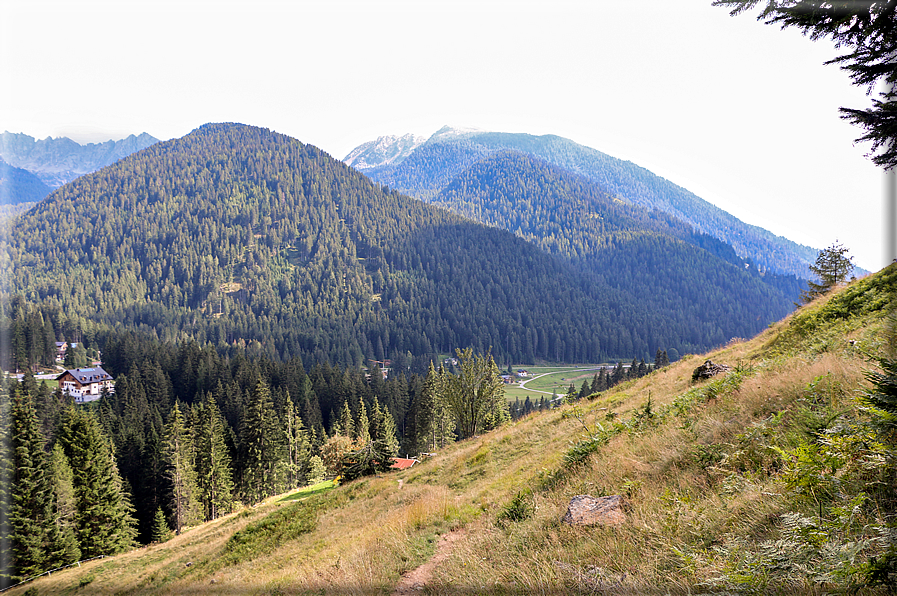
x=346 y=424
x=316 y=470
x=104 y=524
x=584 y=390
x=298 y=447
x=64 y=505
x=31 y=515
x=161 y=530
x=831 y=268
x=213 y=463
x=183 y=500
x=6 y=473
x=261 y=446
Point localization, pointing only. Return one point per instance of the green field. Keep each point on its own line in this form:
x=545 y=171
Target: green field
x=556 y=378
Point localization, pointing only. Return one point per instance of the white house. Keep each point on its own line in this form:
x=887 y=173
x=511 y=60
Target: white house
x=86 y=384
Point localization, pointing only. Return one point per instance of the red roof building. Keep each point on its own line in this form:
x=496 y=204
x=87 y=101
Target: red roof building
x=401 y=463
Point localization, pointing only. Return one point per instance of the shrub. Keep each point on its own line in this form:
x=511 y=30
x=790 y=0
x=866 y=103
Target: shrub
x=521 y=507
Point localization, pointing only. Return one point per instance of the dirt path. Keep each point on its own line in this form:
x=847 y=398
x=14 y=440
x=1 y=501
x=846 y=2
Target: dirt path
x=414 y=581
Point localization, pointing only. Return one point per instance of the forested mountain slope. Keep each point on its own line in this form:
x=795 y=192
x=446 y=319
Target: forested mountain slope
x=652 y=255
x=20 y=186
x=237 y=235
x=434 y=164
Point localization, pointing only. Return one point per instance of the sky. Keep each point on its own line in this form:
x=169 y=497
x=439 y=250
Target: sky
x=743 y=114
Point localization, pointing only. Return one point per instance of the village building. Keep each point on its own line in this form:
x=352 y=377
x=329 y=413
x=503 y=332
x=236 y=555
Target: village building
x=403 y=463
x=86 y=384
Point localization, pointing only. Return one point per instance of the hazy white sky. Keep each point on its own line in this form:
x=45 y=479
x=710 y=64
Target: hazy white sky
x=741 y=113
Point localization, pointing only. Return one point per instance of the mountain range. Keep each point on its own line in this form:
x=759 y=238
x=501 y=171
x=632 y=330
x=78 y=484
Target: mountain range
x=425 y=168
x=239 y=236
x=61 y=160
x=19 y=186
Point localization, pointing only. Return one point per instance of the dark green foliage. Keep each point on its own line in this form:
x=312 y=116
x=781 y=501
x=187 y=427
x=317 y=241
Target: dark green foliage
x=246 y=239
x=64 y=506
x=521 y=507
x=831 y=268
x=435 y=165
x=369 y=458
x=298 y=447
x=882 y=397
x=213 y=462
x=184 y=499
x=262 y=447
x=475 y=396
x=866 y=31
x=161 y=531
x=32 y=524
x=701 y=288
x=6 y=472
x=103 y=521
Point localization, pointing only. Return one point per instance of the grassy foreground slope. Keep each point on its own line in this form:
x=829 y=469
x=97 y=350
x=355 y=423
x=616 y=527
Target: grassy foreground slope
x=766 y=480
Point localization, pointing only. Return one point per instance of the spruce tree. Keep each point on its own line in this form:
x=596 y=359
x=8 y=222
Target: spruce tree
x=831 y=268
x=213 y=463
x=476 y=395
x=31 y=514
x=64 y=505
x=184 y=497
x=424 y=411
x=363 y=428
x=316 y=470
x=104 y=524
x=584 y=390
x=161 y=530
x=387 y=435
x=298 y=447
x=5 y=486
x=261 y=446
x=346 y=422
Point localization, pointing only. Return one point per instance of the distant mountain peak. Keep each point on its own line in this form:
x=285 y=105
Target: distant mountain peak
x=59 y=160
x=454 y=132
x=384 y=151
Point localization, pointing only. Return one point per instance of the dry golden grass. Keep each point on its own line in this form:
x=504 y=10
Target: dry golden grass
x=682 y=498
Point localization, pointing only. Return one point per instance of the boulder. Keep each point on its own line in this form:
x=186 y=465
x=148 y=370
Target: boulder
x=709 y=369
x=586 y=510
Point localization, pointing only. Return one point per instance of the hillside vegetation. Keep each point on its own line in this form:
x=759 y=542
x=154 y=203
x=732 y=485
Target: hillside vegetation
x=235 y=236
x=774 y=478
x=448 y=153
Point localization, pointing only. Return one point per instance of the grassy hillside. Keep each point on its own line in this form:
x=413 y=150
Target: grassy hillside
x=769 y=479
